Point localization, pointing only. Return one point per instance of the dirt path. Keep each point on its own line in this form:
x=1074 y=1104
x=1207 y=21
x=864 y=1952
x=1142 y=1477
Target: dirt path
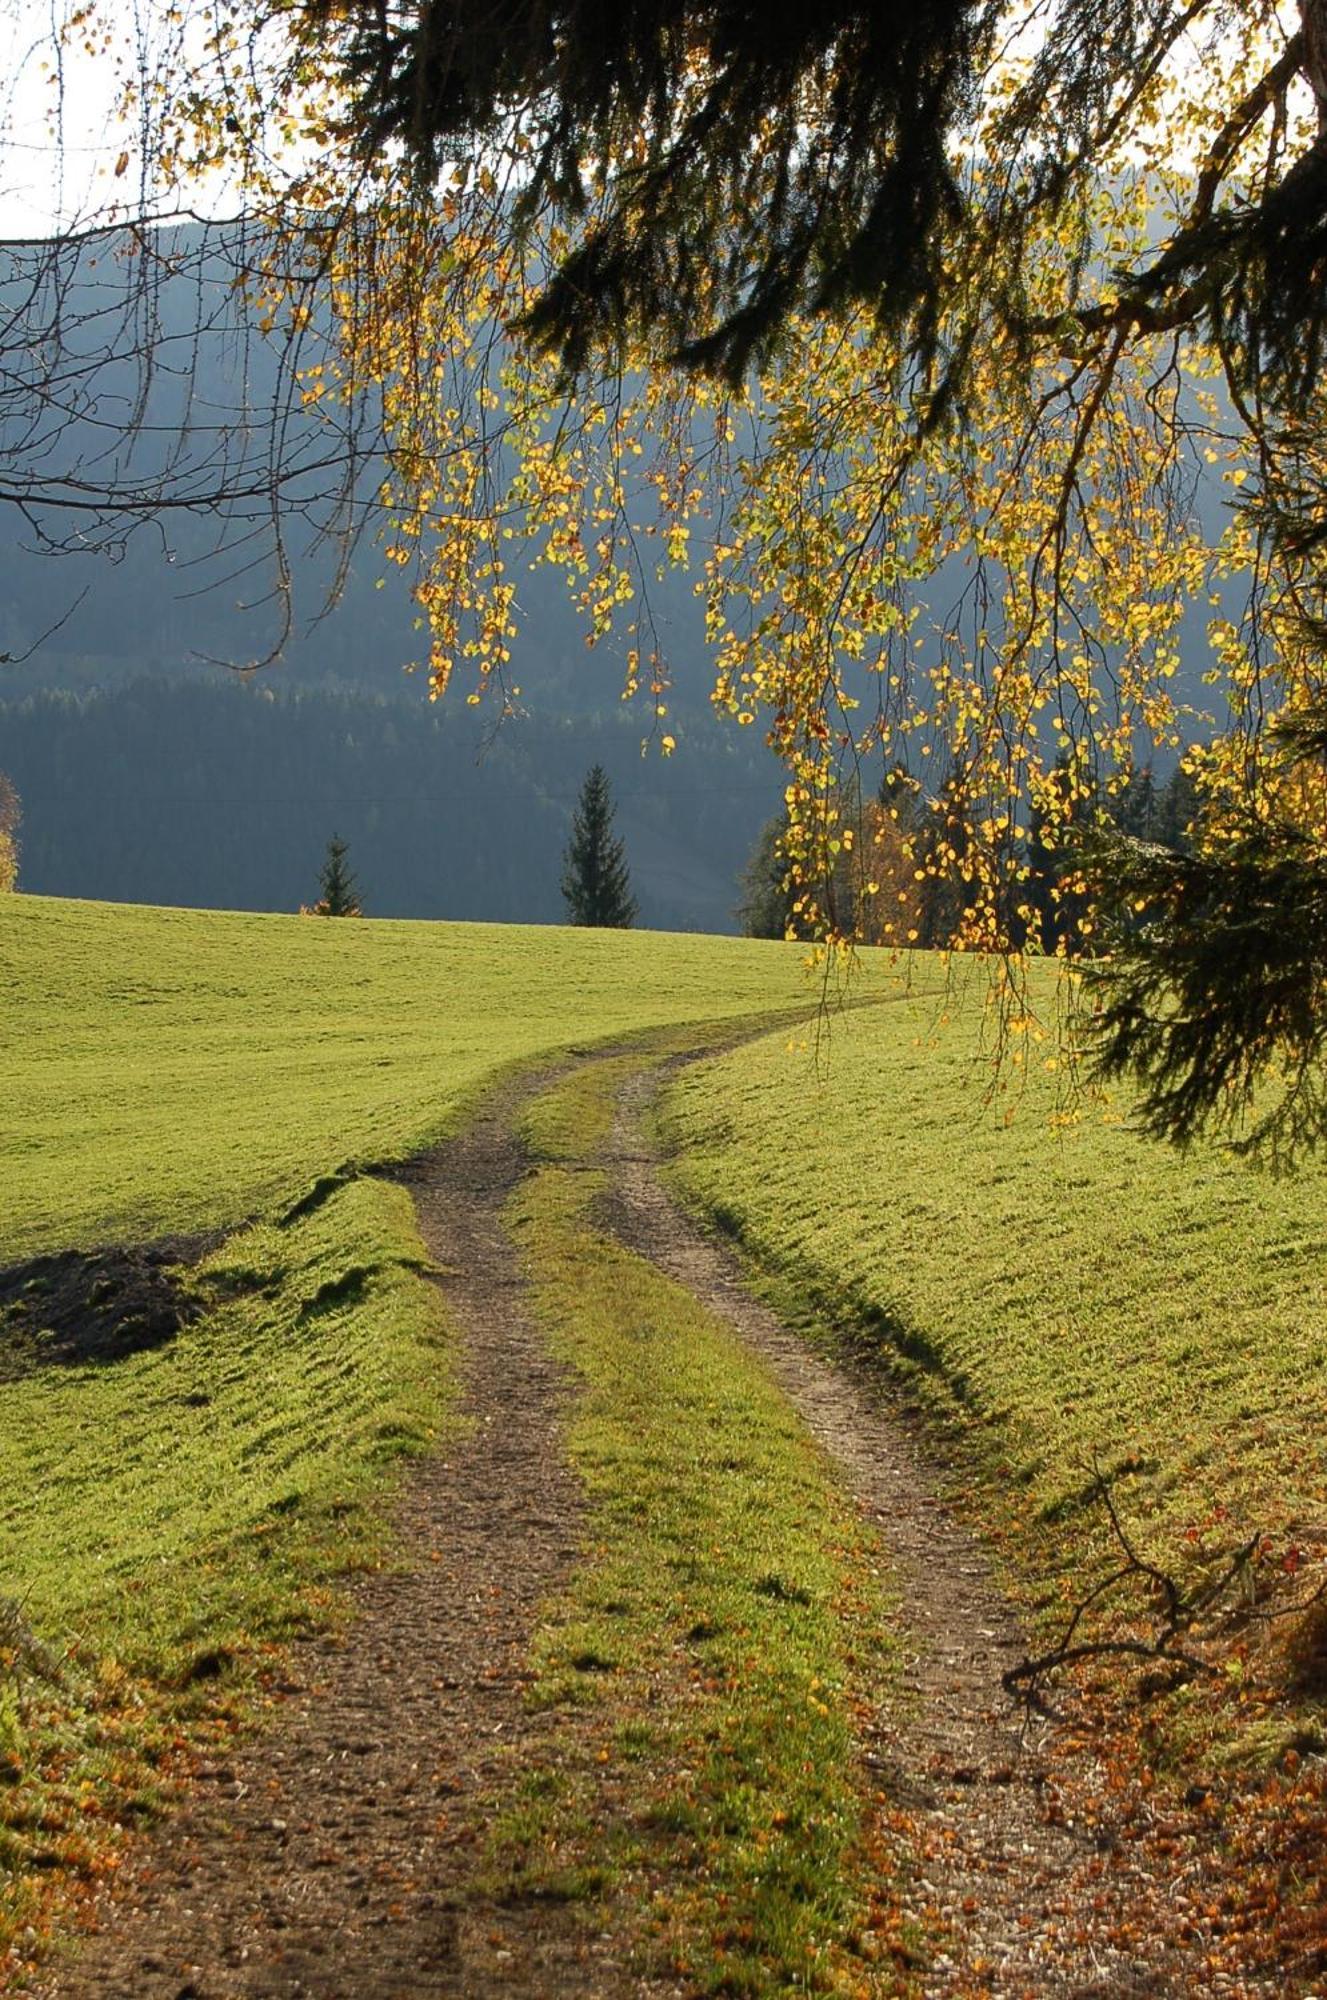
x=1000 y=1864
x=334 y=1856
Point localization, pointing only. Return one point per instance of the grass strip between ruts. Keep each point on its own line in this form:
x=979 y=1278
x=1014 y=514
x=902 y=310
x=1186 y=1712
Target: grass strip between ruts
x=721 y=1642
x=177 y=1515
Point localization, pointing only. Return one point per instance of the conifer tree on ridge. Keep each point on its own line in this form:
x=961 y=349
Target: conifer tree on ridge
x=340 y=892
x=595 y=879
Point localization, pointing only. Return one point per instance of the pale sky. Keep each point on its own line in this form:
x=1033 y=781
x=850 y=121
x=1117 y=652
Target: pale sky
x=60 y=137
x=42 y=183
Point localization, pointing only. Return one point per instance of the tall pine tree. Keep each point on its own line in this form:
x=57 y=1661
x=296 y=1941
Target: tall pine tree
x=340 y=893
x=766 y=908
x=595 y=881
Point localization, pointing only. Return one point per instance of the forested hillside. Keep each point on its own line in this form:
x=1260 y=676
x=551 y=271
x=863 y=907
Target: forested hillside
x=150 y=771
x=211 y=791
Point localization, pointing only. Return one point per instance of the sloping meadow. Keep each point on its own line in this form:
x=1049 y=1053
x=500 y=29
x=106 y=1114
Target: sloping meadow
x=1081 y=1309
x=185 y=1069
x=196 y=1447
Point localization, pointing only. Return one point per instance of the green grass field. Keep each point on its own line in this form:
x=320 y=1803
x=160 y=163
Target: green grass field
x=1062 y=1297
x=173 y=1069
x=166 y=1520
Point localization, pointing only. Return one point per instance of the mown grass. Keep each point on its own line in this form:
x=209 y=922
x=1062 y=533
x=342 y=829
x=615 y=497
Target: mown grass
x=712 y=1650
x=175 y=1069
x=167 y=1519
x=1067 y=1300
x=170 y=1519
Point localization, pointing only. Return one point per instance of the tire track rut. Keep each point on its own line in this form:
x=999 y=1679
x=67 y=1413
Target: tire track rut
x=998 y=1870
x=332 y=1856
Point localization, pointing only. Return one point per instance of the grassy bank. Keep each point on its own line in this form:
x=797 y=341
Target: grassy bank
x=1064 y=1299
x=712 y=1652
x=172 y=1517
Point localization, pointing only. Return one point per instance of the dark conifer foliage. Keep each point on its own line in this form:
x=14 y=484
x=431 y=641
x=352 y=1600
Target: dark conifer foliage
x=766 y=906
x=1217 y=967
x=340 y=893
x=730 y=219
x=595 y=881
x=804 y=157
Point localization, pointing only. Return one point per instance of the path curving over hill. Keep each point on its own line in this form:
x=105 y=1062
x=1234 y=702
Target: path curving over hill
x=339 y=1855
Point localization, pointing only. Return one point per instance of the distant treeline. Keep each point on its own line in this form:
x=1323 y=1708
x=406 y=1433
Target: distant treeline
x=221 y=793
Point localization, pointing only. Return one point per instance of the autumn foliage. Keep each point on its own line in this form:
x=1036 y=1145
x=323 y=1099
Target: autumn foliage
x=969 y=599
x=911 y=336
x=9 y=823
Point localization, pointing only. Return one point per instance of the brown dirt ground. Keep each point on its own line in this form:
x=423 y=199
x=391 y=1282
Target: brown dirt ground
x=82 y=1306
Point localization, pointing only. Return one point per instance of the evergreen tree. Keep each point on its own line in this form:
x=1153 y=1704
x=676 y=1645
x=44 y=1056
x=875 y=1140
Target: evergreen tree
x=1178 y=807
x=595 y=881
x=1135 y=807
x=340 y=893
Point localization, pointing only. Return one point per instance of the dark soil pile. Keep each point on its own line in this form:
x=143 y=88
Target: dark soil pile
x=97 y=1306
